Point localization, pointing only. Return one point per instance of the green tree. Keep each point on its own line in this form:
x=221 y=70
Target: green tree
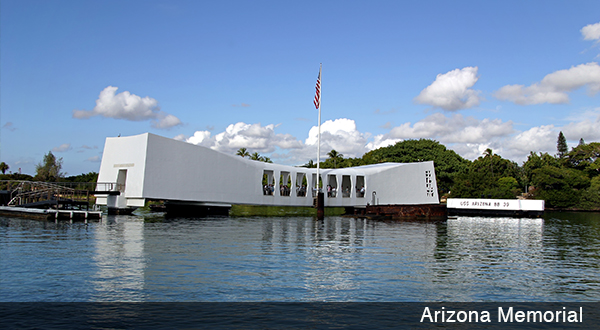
x=335 y=156
x=561 y=145
x=88 y=177
x=49 y=170
x=509 y=187
x=590 y=199
x=255 y=156
x=585 y=157
x=4 y=167
x=310 y=164
x=489 y=176
x=535 y=161
x=447 y=163
x=559 y=187
x=490 y=154
x=243 y=152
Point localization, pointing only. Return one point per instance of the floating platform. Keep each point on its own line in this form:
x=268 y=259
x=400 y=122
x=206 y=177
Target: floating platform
x=496 y=207
x=49 y=214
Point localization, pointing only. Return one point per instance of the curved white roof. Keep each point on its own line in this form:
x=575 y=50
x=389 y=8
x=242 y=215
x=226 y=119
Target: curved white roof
x=155 y=167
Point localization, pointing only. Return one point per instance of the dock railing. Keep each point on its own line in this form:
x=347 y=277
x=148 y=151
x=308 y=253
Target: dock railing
x=18 y=192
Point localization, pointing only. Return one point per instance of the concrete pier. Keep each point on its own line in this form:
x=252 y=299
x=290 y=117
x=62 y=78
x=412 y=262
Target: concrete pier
x=51 y=215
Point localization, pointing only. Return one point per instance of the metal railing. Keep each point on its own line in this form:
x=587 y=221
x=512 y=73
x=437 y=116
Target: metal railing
x=28 y=192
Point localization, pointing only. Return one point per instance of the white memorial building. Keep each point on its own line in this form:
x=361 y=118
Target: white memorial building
x=150 y=167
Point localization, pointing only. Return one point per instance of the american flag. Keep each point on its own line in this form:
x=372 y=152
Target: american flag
x=317 y=100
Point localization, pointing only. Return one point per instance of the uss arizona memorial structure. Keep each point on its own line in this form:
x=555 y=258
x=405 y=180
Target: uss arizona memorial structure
x=150 y=167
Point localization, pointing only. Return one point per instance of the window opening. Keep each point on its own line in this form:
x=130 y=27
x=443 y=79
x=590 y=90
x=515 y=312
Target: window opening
x=332 y=186
x=301 y=185
x=314 y=184
x=360 y=186
x=346 y=186
x=285 y=184
x=268 y=182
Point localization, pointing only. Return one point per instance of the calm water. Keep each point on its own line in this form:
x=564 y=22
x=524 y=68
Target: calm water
x=132 y=258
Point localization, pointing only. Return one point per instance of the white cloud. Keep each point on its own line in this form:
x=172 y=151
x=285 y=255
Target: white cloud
x=452 y=90
x=88 y=147
x=62 y=148
x=587 y=127
x=129 y=107
x=538 y=139
x=380 y=141
x=341 y=135
x=288 y=141
x=466 y=135
x=94 y=159
x=555 y=86
x=591 y=32
x=471 y=150
x=180 y=137
x=254 y=137
x=166 y=121
x=241 y=135
x=201 y=138
x=454 y=129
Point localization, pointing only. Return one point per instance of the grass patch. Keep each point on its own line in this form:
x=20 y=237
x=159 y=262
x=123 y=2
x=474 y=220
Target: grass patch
x=281 y=211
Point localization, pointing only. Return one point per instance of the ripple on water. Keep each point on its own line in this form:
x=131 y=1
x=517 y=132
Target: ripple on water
x=125 y=258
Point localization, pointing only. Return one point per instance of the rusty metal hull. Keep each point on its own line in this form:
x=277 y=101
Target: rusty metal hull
x=420 y=211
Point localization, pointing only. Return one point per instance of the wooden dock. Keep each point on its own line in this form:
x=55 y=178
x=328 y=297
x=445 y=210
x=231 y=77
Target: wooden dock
x=51 y=215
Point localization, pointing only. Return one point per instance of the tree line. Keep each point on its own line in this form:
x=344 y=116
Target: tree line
x=567 y=180
x=49 y=170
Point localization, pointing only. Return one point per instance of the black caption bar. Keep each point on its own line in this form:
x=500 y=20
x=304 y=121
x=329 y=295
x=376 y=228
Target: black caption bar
x=242 y=315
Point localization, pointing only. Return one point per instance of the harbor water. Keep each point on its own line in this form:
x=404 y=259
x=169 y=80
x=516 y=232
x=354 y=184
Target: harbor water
x=149 y=258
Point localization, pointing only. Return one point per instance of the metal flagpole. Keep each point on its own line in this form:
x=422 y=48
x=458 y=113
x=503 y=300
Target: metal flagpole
x=319 y=132
x=320 y=197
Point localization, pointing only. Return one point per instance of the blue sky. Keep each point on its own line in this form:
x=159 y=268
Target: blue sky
x=506 y=75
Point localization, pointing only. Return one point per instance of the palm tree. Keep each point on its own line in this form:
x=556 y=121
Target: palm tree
x=243 y=152
x=334 y=155
x=255 y=156
x=4 y=167
x=310 y=164
x=489 y=153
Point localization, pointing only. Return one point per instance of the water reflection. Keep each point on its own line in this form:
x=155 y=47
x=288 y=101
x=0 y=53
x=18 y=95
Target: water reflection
x=333 y=258
x=488 y=258
x=301 y=259
x=119 y=259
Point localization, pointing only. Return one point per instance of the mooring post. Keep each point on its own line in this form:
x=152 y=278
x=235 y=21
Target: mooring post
x=320 y=206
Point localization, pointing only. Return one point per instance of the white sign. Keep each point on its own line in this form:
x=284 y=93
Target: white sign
x=496 y=204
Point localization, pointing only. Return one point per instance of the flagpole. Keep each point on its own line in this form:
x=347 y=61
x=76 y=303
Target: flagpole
x=320 y=197
x=319 y=133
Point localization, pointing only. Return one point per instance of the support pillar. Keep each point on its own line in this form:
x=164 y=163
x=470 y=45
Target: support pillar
x=320 y=206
